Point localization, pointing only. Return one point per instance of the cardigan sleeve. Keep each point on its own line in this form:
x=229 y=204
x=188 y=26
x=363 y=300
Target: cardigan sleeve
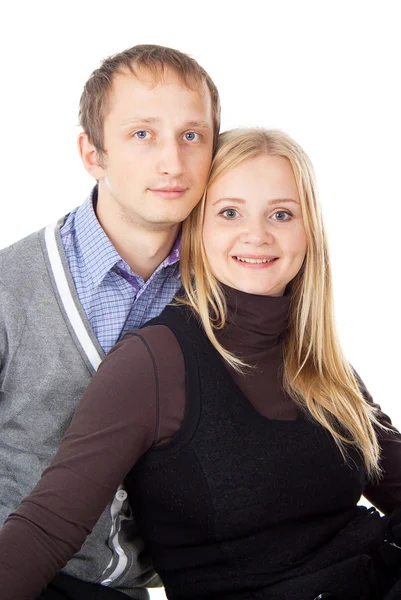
x=113 y=426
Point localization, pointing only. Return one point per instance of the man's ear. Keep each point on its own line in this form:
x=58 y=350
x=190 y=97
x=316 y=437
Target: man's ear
x=90 y=157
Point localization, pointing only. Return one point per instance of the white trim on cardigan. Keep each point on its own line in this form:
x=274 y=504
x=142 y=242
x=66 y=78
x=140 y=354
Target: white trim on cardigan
x=67 y=299
x=117 y=516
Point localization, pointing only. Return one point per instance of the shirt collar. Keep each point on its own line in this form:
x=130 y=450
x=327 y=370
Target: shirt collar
x=97 y=251
x=174 y=255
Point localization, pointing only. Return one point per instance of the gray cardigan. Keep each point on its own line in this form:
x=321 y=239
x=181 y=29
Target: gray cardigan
x=48 y=354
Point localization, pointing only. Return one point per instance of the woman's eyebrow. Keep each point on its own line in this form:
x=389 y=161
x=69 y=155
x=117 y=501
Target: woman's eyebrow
x=283 y=200
x=242 y=201
x=238 y=200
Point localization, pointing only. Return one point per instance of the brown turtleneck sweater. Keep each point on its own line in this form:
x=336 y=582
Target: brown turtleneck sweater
x=136 y=400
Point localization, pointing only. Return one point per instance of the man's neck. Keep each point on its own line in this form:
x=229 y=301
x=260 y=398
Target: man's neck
x=142 y=248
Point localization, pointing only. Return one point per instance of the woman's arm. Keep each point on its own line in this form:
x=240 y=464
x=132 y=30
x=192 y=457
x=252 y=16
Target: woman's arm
x=385 y=494
x=114 y=424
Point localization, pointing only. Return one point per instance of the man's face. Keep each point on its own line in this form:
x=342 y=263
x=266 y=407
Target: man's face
x=158 y=137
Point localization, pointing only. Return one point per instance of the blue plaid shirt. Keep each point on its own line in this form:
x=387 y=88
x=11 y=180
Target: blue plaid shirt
x=113 y=297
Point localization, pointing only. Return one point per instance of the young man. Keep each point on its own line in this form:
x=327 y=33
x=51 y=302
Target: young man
x=68 y=293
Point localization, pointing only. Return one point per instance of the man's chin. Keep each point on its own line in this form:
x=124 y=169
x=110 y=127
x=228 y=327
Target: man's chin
x=161 y=223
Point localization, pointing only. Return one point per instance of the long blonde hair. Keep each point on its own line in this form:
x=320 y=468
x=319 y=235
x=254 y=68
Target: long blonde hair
x=316 y=373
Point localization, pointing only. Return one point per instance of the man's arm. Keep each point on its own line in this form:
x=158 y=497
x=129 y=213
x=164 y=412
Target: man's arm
x=12 y=318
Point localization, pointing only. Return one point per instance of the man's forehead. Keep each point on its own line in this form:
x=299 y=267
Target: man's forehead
x=159 y=75
x=133 y=94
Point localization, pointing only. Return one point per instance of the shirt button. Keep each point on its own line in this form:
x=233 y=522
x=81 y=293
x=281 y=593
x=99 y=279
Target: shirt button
x=121 y=495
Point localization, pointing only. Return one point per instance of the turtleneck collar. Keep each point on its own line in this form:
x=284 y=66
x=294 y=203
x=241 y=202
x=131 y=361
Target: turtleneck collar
x=254 y=323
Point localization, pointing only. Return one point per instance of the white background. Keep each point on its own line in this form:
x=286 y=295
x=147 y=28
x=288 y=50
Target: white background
x=328 y=73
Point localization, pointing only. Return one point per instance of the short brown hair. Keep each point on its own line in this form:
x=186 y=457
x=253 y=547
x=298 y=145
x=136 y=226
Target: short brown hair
x=93 y=103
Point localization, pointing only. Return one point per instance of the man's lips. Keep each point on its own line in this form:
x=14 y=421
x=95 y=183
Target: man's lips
x=169 y=192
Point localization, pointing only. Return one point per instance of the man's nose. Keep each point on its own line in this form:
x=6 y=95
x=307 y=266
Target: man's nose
x=170 y=158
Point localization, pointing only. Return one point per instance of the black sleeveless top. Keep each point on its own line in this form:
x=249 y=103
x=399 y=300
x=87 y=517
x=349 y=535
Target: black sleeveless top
x=240 y=506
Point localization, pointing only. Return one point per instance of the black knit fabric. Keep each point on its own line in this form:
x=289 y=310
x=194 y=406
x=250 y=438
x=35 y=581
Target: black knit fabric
x=239 y=506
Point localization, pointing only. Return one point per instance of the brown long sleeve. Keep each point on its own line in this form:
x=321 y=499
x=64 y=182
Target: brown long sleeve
x=386 y=493
x=115 y=422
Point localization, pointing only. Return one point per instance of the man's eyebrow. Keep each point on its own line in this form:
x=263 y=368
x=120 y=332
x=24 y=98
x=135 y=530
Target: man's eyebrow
x=203 y=124
x=145 y=120
x=242 y=201
x=152 y=120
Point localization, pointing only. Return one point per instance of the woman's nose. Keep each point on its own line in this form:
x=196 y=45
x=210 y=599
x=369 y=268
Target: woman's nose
x=256 y=232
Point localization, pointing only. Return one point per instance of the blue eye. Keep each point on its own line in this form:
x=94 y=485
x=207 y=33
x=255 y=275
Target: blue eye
x=191 y=136
x=282 y=215
x=141 y=135
x=229 y=213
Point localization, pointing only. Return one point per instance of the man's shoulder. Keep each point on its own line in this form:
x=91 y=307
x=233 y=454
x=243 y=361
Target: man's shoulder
x=25 y=248
x=21 y=256
x=25 y=262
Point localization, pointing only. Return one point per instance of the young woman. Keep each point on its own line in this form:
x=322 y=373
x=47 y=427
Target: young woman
x=243 y=436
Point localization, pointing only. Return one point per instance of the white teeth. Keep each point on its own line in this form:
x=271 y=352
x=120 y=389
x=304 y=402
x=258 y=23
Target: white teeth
x=254 y=260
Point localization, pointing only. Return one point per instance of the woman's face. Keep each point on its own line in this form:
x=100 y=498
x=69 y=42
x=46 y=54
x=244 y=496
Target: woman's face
x=253 y=231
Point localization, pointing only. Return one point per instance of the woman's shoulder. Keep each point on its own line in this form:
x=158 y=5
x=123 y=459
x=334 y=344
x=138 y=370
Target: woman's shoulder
x=164 y=351
x=150 y=356
x=157 y=341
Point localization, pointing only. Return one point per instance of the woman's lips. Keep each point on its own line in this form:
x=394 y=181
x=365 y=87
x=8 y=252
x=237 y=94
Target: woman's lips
x=255 y=262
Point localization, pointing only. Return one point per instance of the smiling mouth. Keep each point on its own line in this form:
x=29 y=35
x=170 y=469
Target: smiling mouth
x=254 y=261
